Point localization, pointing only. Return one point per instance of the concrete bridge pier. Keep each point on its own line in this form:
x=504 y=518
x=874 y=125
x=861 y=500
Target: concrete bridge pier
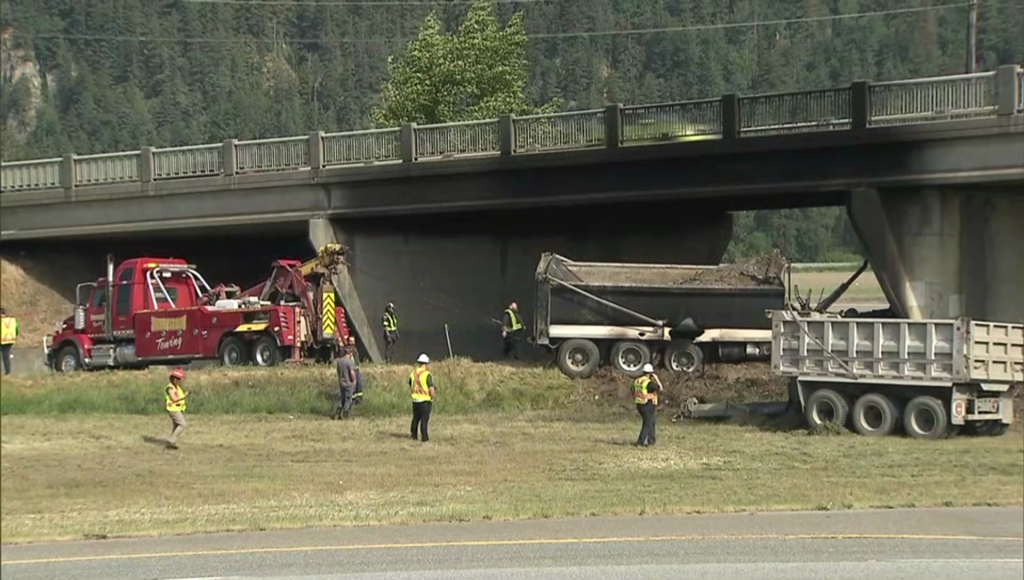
x=942 y=253
x=463 y=269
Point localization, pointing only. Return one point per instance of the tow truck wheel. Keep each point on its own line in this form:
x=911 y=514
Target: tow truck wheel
x=265 y=352
x=233 y=352
x=67 y=360
x=630 y=356
x=925 y=417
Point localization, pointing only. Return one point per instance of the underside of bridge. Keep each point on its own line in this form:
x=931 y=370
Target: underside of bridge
x=941 y=253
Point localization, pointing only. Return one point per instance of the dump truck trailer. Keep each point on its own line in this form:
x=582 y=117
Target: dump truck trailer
x=930 y=378
x=632 y=314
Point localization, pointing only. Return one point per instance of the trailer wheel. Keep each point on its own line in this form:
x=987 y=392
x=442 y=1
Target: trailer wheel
x=578 y=358
x=265 y=352
x=874 y=415
x=233 y=352
x=826 y=406
x=68 y=360
x=986 y=428
x=630 y=356
x=682 y=356
x=925 y=418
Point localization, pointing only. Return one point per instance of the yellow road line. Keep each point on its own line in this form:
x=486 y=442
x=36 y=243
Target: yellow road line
x=533 y=542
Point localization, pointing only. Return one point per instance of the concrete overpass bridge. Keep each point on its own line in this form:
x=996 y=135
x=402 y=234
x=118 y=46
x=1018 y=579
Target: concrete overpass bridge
x=932 y=171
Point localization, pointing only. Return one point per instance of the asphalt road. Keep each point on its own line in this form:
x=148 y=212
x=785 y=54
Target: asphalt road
x=936 y=544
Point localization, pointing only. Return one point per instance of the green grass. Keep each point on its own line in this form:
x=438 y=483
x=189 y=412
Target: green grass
x=463 y=387
x=75 y=476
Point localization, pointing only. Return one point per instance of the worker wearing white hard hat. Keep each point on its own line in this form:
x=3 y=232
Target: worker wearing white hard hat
x=645 y=394
x=421 y=381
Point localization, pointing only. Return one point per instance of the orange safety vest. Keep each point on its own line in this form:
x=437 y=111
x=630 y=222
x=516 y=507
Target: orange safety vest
x=420 y=388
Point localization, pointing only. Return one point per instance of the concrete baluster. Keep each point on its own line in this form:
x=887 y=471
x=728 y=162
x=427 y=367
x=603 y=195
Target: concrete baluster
x=1007 y=89
x=230 y=157
x=613 y=125
x=506 y=135
x=146 y=168
x=860 y=105
x=316 y=150
x=67 y=175
x=408 y=140
x=730 y=116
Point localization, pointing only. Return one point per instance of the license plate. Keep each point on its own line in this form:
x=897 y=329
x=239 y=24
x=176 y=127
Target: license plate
x=987 y=405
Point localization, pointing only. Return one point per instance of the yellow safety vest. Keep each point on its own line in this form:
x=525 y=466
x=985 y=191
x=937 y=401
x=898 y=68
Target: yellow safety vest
x=390 y=322
x=513 y=319
x=8 y=329
x=420 y=389
x=171 y=405
x=640 y=395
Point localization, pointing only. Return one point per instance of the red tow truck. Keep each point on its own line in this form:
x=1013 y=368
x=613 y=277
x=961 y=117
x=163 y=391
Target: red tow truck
x=162 y=311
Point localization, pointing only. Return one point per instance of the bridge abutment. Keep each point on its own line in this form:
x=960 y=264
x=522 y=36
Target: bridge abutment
x=940 y=253
x=463 y=269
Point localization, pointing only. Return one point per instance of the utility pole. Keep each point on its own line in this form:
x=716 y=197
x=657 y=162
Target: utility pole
x=972 y=36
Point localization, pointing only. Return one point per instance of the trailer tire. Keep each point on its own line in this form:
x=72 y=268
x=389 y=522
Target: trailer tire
x=265 y=352
x=998 y=429
x=874 y=415
x=986 y=428
x=578 y=358
x=629 y=357
x=925 y=418
x=826 y=406
x=682 y=356
x=233 y=352
x=68 y=360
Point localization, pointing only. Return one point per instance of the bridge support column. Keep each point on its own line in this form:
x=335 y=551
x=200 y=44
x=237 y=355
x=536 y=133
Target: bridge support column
x=945 y=253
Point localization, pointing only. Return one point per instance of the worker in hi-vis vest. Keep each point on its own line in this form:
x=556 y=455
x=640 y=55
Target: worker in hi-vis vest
x=175 y=404
x=390 y=332
x=8 y=336
x=645 y=394
x=423 y=394
x=511 y=331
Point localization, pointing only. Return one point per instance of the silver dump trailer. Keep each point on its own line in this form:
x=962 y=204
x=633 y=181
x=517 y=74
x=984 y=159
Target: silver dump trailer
x=633 y=314
x=932 y=377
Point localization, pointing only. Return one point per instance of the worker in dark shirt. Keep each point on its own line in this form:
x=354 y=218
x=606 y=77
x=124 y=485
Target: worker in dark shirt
x=346 y=383
x=511 y=331
x=357 y=396
x=390 y=322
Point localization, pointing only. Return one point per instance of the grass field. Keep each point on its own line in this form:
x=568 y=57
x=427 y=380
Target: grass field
x=506 y=443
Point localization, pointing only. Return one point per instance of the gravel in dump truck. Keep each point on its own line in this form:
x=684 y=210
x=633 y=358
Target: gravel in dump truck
x=675 y=315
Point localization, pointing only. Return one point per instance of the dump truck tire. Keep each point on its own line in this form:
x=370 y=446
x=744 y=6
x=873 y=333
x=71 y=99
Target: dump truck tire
x=925 y=418
x=629 y=357
x=233 y=352
x=874 y=415
x=578 y=358
x=682 y=356
x=826 y=406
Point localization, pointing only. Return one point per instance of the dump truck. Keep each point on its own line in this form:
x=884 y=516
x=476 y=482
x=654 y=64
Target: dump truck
x=679 y=316
x=929 y=378
x=162 y=311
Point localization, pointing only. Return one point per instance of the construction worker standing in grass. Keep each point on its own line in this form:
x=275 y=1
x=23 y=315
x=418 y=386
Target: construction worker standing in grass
x=645 y=394
x=511 y=331
x=175 y=404
x=8 y=336
x=346 y=383
x=390 y=332
x=357 y=396
x=423 y=393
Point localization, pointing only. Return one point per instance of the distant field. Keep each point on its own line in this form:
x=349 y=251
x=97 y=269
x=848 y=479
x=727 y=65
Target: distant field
x=76 y=476
x=864 y=291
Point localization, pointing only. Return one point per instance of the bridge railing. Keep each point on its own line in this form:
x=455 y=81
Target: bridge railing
x=860 y=106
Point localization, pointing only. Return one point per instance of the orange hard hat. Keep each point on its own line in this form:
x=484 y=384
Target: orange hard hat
x=178 y=374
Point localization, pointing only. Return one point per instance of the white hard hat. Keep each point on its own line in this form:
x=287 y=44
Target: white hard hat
x=423 y=359
x=648 y=368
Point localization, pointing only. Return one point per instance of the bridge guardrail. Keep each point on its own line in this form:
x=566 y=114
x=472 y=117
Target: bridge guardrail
x=671 y=121
x=933 y=99
x=861 y=105
x=191 y=161
x=34 y=174
x=361 y=147
x=453 y=139
x=795 y=112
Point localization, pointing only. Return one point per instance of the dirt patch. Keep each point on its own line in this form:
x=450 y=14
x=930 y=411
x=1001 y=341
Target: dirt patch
x=36 y=306
x=765 y=270
x=720 y=383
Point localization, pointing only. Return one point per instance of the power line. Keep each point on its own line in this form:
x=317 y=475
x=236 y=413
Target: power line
x=689 y=28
